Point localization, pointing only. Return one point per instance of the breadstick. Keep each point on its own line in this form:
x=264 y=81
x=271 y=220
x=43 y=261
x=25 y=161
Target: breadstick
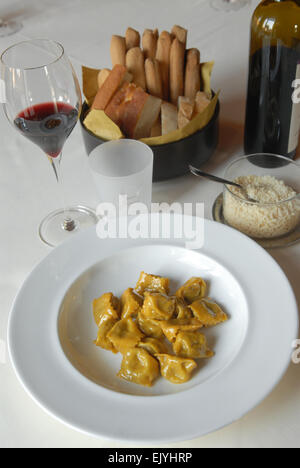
x=176 y=70
x=156 y=33
x=192 y=74
x=163 y=56
x=153 y=78
x=103 y=74
x=132 y=38
x=135 y=64
x=149 y=41
x=180 y=33
x=118 y=50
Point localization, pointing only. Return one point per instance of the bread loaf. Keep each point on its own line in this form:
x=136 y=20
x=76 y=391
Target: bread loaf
x=168 y=118
x=109 y=87
x=140 y=114
x=115 y=108
x=134 y=111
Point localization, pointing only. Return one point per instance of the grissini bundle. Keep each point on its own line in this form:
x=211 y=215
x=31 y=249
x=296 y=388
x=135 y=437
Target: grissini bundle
x=153 y=78
x=149 y=42
x=132 y=38
x=135 y=64
x=177 y=58
x=118 y=50
x=163 y=56
x=192 y=73
x=180 y=33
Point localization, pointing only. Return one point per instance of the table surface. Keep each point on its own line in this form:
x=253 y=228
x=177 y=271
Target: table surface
x=28 y=192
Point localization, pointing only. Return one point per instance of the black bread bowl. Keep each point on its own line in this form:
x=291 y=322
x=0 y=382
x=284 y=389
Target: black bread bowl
x=172 y=159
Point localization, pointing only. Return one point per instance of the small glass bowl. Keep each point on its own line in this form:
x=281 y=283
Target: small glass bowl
x=263 y=220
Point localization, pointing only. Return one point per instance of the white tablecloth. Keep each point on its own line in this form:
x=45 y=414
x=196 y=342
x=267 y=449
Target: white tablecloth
x=28 y=192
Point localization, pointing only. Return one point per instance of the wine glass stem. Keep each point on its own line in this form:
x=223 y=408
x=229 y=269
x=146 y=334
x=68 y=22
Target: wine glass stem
x=69 y=224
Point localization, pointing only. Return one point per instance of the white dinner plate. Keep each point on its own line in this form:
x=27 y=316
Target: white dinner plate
x=51 y=332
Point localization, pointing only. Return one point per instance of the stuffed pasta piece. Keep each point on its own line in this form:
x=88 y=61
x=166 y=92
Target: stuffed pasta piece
x=171 y=328
x=192 y=345
x=175 y=369
x=125 y=335
x=193 y=290
x=208 y=312
x=138 y=366
x=107 y=304
x=131 y=304
x=157 y=306
x=152 y=283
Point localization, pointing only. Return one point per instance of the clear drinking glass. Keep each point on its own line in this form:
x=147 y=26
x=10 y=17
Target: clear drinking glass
x=9 y=27
x=123 y=168
x=42 y=100
x=229 y=5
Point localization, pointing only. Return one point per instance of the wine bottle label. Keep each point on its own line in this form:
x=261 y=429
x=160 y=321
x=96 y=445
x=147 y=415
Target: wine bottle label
x=295 y=120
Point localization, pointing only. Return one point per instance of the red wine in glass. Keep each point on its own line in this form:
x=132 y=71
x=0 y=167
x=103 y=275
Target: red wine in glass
x=48 y=125
x=42 y=100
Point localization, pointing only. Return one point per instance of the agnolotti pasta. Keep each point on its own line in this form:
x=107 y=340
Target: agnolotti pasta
x=105 y=326
x=157 y=306
x=208 y=312
x=176 y=369
x=171 y=328
x=157 y=333
x=153 y=346
x=150 y=327
x=107 y=304
x=152 y=283
x=131 y=304
x=125 y=335
x=192 y=345
x=182 y=311
x=193 y=290
x=138 y=366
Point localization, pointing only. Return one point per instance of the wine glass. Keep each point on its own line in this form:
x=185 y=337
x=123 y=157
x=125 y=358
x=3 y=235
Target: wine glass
x=9 y=27
x=229 y=5
x=42 y=100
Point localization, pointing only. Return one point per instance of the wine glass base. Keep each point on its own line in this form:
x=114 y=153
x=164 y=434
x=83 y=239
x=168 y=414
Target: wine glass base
x=8 y=28
x=61 y=225
x=229 y=5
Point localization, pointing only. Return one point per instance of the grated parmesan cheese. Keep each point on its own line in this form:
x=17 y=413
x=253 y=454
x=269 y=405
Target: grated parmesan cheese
x=276 y=214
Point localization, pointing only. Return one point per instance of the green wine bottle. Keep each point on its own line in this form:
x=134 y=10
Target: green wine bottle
x=273 y=109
